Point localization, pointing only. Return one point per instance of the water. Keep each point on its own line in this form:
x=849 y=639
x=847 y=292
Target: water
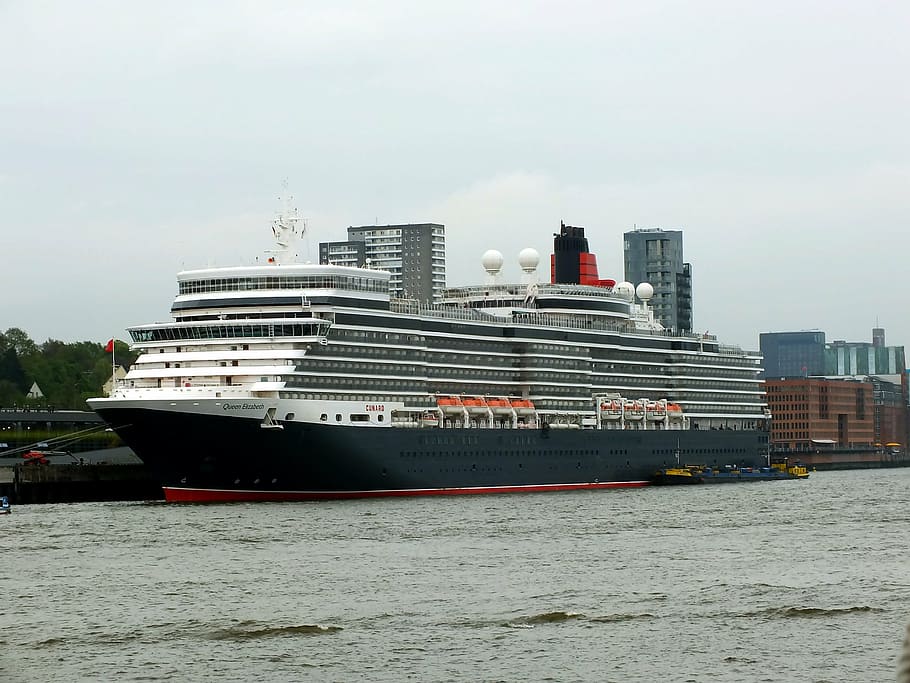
x=776 y=581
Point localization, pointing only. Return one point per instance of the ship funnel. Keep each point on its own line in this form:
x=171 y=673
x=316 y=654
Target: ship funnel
x=571 y=262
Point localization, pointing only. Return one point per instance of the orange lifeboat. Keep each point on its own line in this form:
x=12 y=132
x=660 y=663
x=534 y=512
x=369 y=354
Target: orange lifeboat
x=655 y=410
x=475 y=405
x=500 y=406
x=450 y=405
x=674 y=411
x=610 y=410
x=522 y=406
x=634 y=410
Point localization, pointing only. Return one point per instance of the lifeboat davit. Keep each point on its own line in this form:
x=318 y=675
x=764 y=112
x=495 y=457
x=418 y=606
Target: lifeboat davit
x=499 y=406
x=450 y=405
x=523 y=406
x=475 y=405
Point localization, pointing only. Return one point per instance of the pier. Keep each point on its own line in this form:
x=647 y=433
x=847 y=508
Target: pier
x=77 y=483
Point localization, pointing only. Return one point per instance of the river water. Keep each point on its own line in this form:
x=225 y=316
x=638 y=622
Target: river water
x=777 y=581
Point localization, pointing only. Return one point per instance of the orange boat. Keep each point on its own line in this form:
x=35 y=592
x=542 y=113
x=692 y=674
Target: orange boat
x=450 y=405
x=522 y=406
x=634 y=410
x=611 y=410
x=500 y=406
x=475 y=405
x=656 y=410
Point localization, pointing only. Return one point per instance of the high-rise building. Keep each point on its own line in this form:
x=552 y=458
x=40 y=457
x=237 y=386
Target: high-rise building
x=414 y=254
x=793 y=354
x=655 y=255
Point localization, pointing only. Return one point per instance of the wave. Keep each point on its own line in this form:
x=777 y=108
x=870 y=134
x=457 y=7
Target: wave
x=551 y=617
x=615 y=618
x=812 y=612
x=242 y=632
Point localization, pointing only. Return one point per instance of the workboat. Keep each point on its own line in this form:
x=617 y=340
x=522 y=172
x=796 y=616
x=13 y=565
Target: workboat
x=701 y=474
x=282 y=380
x=5 y=508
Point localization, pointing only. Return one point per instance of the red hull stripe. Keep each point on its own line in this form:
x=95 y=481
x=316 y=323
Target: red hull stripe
x=186 y=495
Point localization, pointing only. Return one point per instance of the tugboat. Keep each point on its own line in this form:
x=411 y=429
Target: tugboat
x=4 y=506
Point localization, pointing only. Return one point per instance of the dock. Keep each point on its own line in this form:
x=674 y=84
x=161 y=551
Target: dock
x=77 y=483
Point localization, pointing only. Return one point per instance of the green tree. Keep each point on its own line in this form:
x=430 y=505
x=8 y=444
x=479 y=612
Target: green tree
x=18 y=340
x=11 y=369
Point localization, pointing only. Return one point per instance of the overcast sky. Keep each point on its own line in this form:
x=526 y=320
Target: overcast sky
x=137 y=139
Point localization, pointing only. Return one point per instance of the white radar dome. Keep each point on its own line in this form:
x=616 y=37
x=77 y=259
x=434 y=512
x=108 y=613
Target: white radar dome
x=626 y=290
x=492 y=261
x=528 y=259
x=644 y=291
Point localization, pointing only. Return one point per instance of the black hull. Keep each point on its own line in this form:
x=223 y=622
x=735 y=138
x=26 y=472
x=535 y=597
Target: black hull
x=213 y=457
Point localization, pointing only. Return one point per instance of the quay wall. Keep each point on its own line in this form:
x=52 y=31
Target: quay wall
x=71 y=483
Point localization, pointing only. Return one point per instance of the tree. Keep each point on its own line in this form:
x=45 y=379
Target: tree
x=20 y=341
x=11 y=370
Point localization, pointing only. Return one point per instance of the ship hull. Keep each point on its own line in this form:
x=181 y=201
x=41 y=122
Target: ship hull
x=199 y=457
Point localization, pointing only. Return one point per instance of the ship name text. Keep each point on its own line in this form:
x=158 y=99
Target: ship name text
x=243 y=406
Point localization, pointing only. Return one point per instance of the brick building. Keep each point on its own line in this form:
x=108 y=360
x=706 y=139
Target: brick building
x=808 y=413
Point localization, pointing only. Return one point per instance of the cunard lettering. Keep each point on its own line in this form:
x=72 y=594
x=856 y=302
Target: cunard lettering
x=375 y=407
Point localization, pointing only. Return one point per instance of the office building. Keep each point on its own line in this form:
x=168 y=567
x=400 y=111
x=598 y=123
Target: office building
x=655 y=255
x=793 y=354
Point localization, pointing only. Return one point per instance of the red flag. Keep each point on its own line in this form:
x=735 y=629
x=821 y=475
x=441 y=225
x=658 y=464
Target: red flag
x=110 y=346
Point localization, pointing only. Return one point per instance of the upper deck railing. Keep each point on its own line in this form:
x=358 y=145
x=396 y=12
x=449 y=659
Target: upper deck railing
x=575 y=322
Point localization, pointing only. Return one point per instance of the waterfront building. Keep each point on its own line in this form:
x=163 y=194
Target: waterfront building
x=806 y=355
x=793 y=354
x=809 y=413
x=864 y=358
x=413 y=253
x=655 y=255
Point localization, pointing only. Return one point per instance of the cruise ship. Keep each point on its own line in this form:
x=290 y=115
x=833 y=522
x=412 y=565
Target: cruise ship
x=301 y=381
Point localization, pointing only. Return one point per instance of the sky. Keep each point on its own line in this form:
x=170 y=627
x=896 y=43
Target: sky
x=139 y=139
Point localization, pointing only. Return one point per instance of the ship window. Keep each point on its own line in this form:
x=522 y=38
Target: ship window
x=323 y=417
x=379 y=418
x=337 y=417
x=289 y=416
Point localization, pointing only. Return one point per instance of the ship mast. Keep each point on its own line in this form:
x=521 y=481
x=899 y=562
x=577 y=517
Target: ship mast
x=285 y=231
